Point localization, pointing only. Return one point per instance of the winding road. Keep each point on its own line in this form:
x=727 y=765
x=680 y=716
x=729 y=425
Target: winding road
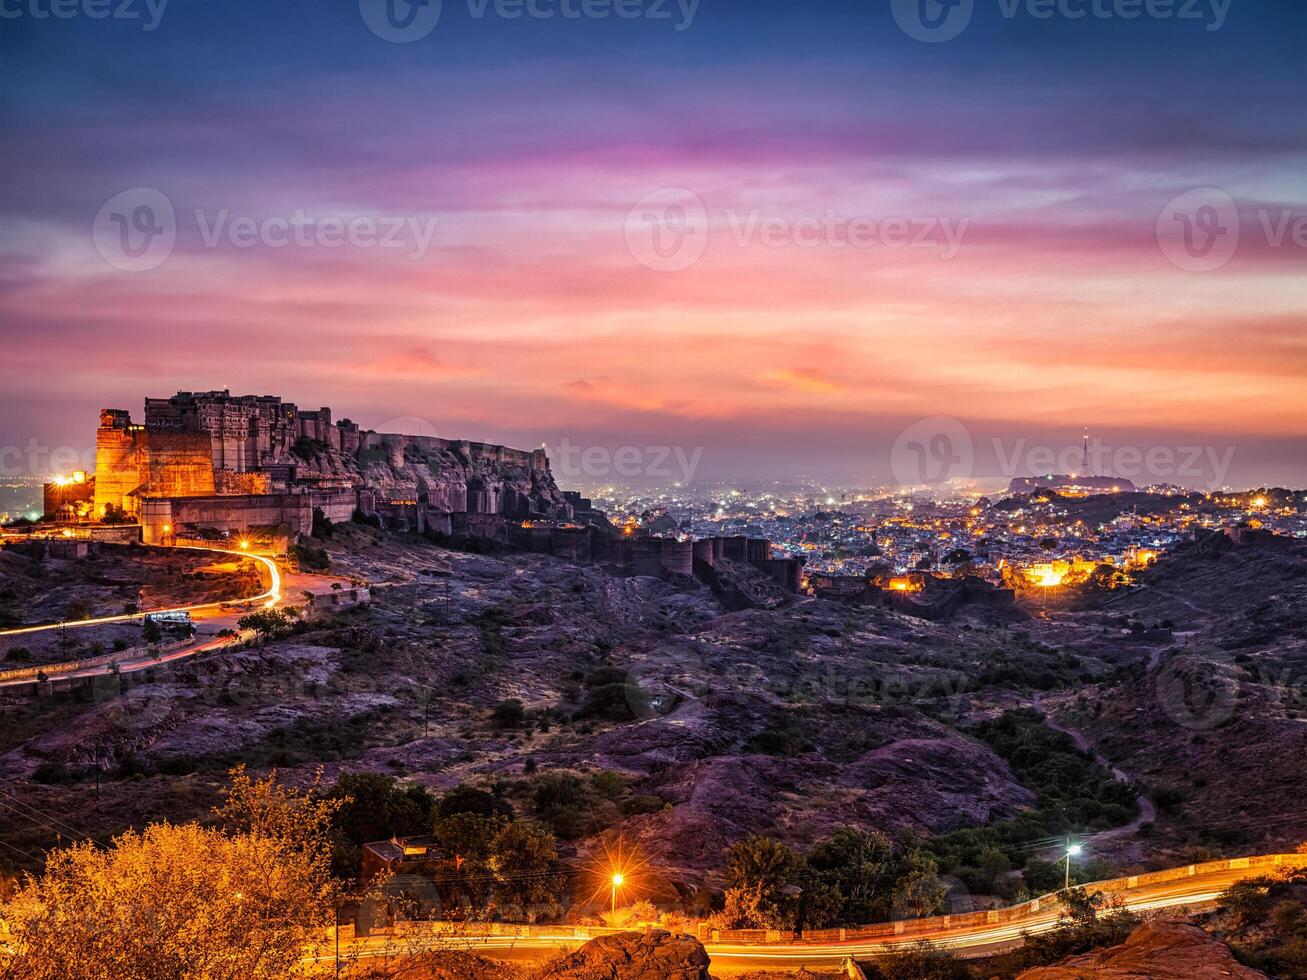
x=269 y=599
x=1193 y=885
x=212 y=618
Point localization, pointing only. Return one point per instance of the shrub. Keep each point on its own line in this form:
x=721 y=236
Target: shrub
x=509 y=713
x=615 y=702
x=609 y=785
x=469 y=799
x=922 y=962
x=311 y=556
x=642 y=804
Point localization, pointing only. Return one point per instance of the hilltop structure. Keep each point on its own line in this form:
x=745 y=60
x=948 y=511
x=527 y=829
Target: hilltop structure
x=213 y=461
x=212 y=465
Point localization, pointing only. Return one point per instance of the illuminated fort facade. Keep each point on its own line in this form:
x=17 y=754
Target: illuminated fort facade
x=204 y=461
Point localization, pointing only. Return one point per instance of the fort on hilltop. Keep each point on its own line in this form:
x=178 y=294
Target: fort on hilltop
x=212 y=465
x=213 y=461
x=1071 y=483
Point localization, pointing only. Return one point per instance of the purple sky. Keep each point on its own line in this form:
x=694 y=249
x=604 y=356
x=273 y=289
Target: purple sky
x=782 y=235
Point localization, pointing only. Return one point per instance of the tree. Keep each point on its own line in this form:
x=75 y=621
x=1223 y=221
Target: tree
x=509 y=713
x=468 y=836
x=372 y=807
x=322 y=526
x=266 y=622
x=918 y=894
x=152 y=633
x=300 y=818
x=77 y=610
x=522 y=856
x=862 y=867
x=182 y=902
x=762 y=873
x=469 y=799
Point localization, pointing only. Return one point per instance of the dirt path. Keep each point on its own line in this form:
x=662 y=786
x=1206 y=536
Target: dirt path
x=1147 y=811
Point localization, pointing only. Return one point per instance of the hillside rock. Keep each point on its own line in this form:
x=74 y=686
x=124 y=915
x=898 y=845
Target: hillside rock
x=452 y=965
x=1154 y=951
x=633 y=956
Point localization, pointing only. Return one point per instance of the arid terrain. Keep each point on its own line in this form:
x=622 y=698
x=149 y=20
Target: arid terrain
x=789 y=719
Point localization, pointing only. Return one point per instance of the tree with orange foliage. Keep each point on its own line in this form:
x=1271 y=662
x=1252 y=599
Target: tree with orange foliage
x=181 y=902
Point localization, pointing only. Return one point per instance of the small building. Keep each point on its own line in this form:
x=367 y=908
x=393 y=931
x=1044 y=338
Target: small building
x=68 y=549
x=404 y=855
x=69 y=499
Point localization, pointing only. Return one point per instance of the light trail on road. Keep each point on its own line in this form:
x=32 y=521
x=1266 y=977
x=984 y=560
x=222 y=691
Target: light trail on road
x=270 y=598
x=971 y=940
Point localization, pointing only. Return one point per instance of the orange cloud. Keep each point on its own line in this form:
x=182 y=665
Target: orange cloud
x=805 y=380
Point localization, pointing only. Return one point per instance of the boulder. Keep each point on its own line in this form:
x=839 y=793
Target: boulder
x=654 y=955
x=448 y=965
x=1154 y=951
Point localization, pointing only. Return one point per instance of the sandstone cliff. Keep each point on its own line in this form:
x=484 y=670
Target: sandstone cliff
x=1154 y=951
x=449 y=476
x=633 y=956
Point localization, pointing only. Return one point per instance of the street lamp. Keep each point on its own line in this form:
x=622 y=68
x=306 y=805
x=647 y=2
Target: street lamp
x=1072 y=850
x=617 y=881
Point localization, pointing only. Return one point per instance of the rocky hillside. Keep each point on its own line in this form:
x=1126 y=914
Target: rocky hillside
x=1158 y=951
x=1216 y=720
x=657 y=710
x=437 y=470
x=789 y=721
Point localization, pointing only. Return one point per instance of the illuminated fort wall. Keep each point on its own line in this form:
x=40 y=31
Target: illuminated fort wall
x=185 y=516
x=132 y=463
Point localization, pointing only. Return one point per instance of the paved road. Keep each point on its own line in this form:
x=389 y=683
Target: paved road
x=269 y=599
x=210 y=618
x=729 y=958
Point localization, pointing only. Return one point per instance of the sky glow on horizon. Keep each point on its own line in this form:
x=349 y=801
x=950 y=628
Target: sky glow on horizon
x=1030 y=161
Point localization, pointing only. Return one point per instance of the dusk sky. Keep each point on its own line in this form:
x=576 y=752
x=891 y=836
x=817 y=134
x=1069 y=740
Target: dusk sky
x=1031 y=160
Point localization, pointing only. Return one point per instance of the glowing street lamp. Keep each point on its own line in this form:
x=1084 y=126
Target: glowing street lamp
x=1073 y=850
x=617 y=880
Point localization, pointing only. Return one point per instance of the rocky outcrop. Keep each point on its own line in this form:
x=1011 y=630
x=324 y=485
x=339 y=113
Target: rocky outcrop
x=1154 y=951
x=454 y=966
x=633 y=956
x=448 y=476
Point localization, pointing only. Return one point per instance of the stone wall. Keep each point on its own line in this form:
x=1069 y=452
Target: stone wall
x=187 y=516
x=132 y=462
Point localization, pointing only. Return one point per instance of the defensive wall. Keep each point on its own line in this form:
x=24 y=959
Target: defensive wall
x=162 y=518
